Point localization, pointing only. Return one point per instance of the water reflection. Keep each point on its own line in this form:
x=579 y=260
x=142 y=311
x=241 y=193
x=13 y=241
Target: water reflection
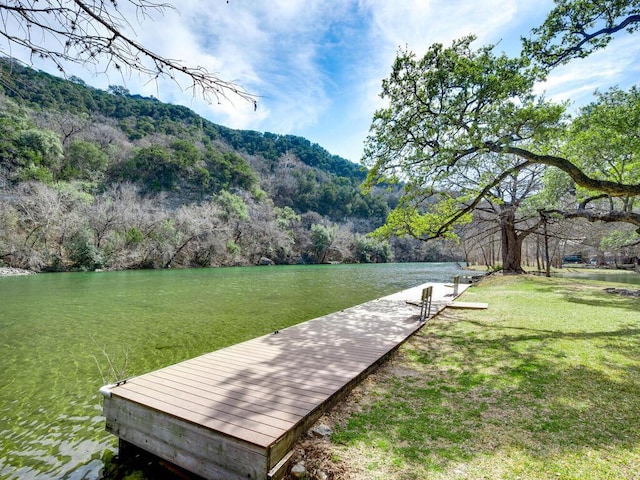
x=617 y=276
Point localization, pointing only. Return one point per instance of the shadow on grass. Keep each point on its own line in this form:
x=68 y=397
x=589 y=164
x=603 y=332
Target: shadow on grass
x=598 y=297
x=463 y=390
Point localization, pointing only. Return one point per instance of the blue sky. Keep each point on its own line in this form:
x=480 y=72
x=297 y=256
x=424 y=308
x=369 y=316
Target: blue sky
x=318 y=65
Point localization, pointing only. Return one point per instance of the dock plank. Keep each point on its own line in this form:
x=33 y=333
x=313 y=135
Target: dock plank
x=296 y=406
x=469 y=305
x=206 y=397
x=261 y=394
x=240 y=385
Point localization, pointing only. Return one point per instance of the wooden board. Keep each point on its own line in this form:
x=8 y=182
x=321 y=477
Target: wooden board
x=470 y=305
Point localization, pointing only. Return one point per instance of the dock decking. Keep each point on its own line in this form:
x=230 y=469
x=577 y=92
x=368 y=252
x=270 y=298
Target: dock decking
x=236 y=412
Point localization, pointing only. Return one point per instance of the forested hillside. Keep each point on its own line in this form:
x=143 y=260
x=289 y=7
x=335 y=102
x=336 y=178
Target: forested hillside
x=93 y=179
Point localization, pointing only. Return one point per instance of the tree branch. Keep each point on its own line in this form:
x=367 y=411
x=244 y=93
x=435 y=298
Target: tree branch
x=609 y=217
x=614 y=189
x=89 y=30
x=445 y=226
x=551 y=60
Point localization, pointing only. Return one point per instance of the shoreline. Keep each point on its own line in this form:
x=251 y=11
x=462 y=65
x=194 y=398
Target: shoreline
x=10 y=271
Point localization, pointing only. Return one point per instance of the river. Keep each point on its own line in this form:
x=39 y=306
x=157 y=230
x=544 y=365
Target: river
x=65 y=335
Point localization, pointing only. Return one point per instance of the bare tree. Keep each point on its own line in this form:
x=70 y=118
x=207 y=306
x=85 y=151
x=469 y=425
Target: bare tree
x=92 y=31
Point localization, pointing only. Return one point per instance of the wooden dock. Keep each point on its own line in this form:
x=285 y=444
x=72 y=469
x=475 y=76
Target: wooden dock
x=235 y=413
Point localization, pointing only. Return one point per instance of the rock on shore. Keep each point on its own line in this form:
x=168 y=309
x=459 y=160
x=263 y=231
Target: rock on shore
x=5 y=271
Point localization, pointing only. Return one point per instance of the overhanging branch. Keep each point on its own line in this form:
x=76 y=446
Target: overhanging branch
x=614 y=189
x=609 y=217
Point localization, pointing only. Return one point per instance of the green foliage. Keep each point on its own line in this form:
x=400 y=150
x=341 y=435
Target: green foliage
x=556 y=186
x=84 y=161
x=13 y=121
x=134 y=236
x=618 y=239
x=576 y=28
x=322 y=237
x=233 y=206
x=603 y=139
x=185 y=154
x=82 y=251
x=409 y=220
x=40 y=147
x=286 y=217
x=38 y=173
x=233 y=248
x=372 y=250
x=451 y=116
x=228 y=169
x=152 y=167
x=272 y=146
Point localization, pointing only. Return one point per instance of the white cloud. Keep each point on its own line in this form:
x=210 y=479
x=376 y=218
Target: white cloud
x=618 y=64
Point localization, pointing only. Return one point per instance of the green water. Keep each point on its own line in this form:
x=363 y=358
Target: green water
x=617 y=276
x=62 y=336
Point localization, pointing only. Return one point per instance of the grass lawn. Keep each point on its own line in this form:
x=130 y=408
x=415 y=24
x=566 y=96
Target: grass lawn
x=544 y=384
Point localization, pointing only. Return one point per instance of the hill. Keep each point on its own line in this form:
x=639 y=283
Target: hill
x=110 y=179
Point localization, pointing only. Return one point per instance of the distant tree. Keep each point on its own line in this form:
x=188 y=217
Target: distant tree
x=196 y=228
x=118 y=90
x=92 y=31
x=81 y=250
x=85 y=161
x=322 y=238
x=46 y=215
x=371 y=250
x=41 y=154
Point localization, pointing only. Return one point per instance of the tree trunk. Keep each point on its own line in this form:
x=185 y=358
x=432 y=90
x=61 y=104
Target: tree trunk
x=546 y=250
x=511 y=243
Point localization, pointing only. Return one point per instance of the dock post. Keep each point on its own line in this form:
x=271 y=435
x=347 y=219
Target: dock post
x=456 y=284
x=425 y=303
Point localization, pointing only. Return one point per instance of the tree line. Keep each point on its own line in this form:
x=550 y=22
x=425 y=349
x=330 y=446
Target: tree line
x=57 y=227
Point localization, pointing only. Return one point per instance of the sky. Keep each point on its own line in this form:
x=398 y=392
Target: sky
x=317 y=65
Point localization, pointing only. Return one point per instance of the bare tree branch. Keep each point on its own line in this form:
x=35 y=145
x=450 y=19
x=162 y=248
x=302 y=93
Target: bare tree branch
x=95 y=31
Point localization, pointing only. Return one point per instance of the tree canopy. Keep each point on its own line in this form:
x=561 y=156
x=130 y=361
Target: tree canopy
x=449 y=113
x=603 y=140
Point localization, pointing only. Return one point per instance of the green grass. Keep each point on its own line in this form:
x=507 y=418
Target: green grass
x=545 y=384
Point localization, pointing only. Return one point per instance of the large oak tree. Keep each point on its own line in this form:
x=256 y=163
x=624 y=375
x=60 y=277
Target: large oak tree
x=460 y=123
x=457 y=109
